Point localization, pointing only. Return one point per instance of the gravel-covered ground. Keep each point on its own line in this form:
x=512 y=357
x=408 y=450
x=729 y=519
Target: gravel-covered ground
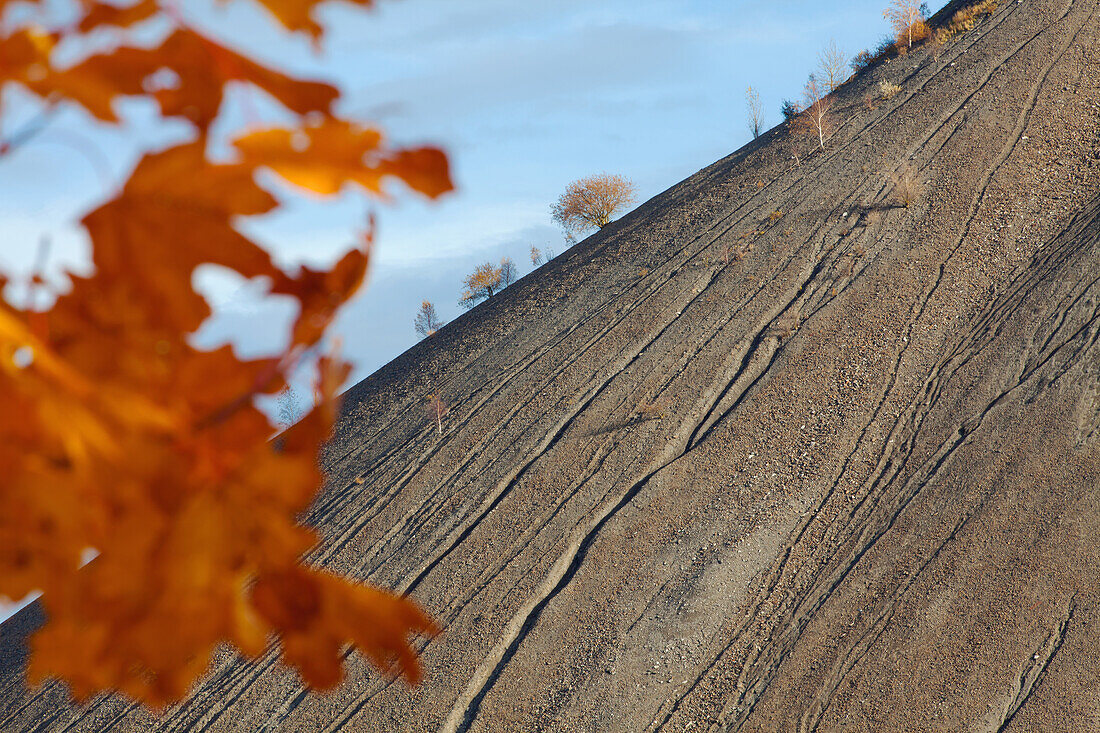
x=837 y=468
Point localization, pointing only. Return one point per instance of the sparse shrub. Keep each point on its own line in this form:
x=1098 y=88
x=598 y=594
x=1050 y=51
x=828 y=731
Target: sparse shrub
x=887 y=89
x=756 y=112
x=906 y=188
x=965 y=19
x=861 y=61
x=775 y=216
x=962 y=21
x=590 y=203
x=939 y=39
x=790 y=110
x=426 y=322
x=886 y=47
x=735 y=253
x=651 y=410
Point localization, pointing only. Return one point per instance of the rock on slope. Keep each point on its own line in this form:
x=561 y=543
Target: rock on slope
x=848 y=479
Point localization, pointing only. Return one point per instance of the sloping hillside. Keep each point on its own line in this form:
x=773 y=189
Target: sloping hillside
x=773 y=452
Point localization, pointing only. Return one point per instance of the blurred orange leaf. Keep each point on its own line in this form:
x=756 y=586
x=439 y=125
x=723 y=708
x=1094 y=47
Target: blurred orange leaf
x=121 y=440
x=325 y=156
x=199 y=66
x=297 y=15
x=101 y=14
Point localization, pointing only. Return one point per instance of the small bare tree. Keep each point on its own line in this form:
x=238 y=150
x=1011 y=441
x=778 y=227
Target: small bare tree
x=289 y=407
x=833 y=66
x=437 y=410
x=592 y=202
x=536 y=256
x=427 y=322
x=818 y=114
x=756 y=112
x=507 y=272
x=906 y=17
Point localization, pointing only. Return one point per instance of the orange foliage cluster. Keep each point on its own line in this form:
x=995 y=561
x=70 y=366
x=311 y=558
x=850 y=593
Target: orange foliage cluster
x=482 y=283
x=118 y=437
x=591 y=203
x=963 y=20
x=907 y=19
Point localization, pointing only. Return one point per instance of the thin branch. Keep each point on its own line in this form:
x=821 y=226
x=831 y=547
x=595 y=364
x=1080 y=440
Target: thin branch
x=32 y=127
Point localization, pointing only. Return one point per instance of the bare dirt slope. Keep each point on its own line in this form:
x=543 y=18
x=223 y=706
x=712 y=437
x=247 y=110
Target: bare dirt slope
x=847 y=480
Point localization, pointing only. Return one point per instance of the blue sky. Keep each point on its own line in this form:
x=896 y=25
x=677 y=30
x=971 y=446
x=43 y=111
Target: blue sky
x=525 y=95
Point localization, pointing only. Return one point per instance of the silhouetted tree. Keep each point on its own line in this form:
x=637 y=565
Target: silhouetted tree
x=790 y=110
x=592 y=202
x=427 y=322
x=507 y=272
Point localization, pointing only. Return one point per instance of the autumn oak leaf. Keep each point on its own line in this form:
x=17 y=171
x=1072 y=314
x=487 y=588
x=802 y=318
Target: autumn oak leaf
x=200 y=68
x=141 y=489
x=106 y=14
x=316 y=613
x=175 y=214
x=324 y=157
x=297 y=15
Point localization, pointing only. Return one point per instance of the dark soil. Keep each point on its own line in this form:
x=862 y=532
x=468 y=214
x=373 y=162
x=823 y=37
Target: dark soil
x=847 y=480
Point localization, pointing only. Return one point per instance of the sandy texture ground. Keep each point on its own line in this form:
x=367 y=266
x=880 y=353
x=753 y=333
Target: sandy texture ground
x=773 y=452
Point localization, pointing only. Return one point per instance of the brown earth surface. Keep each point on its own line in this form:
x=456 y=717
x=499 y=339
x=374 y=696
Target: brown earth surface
x=848 y=479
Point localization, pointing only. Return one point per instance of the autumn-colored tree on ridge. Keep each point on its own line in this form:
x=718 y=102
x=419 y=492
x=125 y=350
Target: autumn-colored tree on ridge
x=592 y=202
x=120 y=440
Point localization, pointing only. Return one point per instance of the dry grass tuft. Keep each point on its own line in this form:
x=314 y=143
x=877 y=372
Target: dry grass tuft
x=962 y=21
x=968 y=17
x=887 y=89
x=906 y=188
x=651 y=410
x=735 y=253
